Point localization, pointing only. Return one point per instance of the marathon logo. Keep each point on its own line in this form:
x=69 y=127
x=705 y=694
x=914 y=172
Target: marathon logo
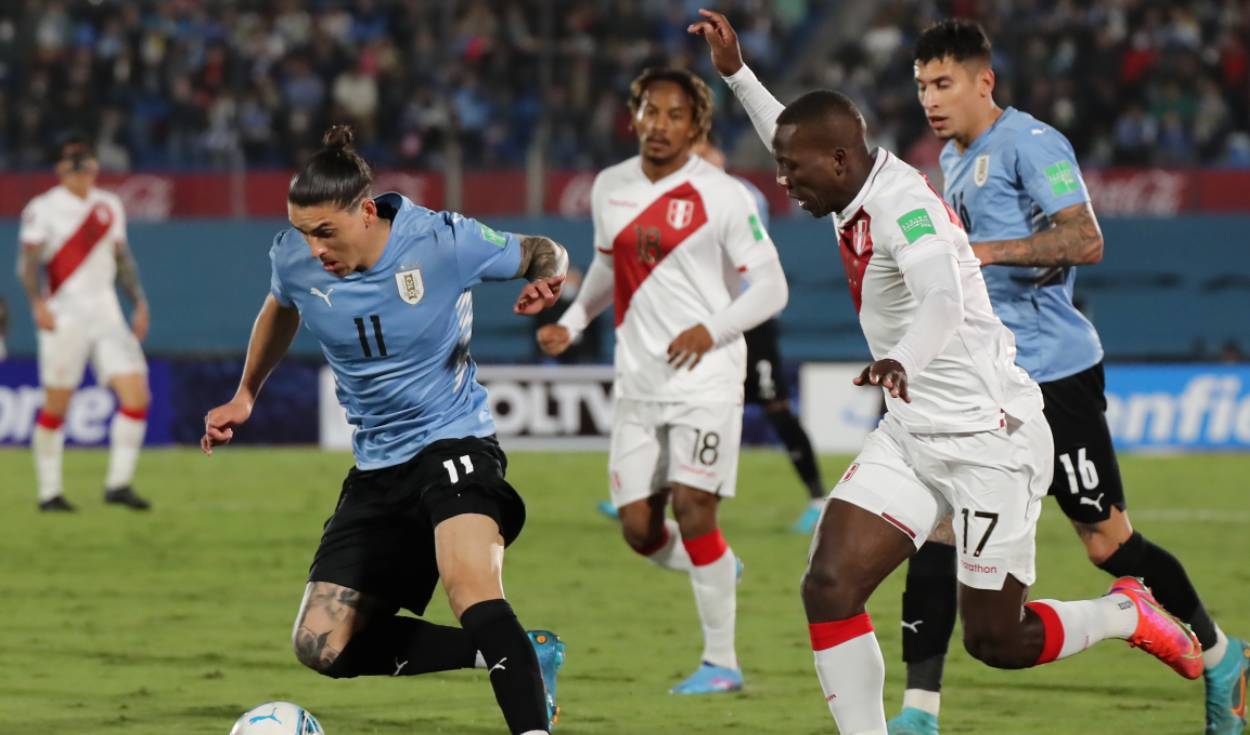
x=976 y=567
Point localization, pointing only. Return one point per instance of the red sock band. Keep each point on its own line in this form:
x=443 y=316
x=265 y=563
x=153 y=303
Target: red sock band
x=706 y=549
x=837 y=632
x=649 y=550
x=138 y=414
x=1053 y=631
x=50 y=422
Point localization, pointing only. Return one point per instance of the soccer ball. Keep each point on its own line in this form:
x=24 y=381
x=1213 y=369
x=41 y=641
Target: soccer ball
x=277 y=718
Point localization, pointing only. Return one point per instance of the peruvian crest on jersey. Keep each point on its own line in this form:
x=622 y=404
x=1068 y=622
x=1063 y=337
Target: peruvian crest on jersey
x=678 y=247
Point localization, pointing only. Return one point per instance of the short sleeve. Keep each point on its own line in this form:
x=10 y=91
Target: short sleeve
x=1048 y=170
x=275 y=273
x=31 y=231
x=118 y=230
x=745 y=239
x=482 y=254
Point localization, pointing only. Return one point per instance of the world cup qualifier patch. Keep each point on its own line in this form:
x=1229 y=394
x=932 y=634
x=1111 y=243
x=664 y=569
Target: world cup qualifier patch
x=916 y=224
x=493 y=237
x=1062 y=178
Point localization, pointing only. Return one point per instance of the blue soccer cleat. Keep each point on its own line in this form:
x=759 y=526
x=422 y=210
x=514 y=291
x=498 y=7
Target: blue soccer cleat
x=913 y=721
x=1226 y=690
x=550 y=651
x=709 y=679
x=608 y=510
x=806 y=523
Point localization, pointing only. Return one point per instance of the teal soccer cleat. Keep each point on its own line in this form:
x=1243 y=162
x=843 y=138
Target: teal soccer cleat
x=550 y=651
x=913 y=721
x=607 y=510
x=806 y=523
x=709 y=679
x=1226 y=690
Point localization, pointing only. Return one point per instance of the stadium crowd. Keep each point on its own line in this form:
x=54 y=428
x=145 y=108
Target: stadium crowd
x=1130 y=82
x=194 y=84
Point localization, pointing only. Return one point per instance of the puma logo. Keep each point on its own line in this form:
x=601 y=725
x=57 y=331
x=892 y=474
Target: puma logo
x=1096 y=502
x=913 y=627
x=399 y=666
x=273 y=715
x=499 y=666
x=323 y=296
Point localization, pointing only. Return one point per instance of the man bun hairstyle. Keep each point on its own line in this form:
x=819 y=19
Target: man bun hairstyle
x=336 y=174
x=696 y=89
x=959 y=38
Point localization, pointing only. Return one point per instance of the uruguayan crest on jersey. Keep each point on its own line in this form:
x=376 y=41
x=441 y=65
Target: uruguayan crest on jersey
x=680 y=213
x=411 y=287
x=981 y=169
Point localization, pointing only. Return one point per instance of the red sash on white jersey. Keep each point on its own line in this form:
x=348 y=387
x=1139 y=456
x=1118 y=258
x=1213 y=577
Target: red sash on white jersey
x=79 y=245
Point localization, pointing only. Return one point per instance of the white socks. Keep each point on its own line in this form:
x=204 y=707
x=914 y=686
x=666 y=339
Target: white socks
x=714 y=577
x=1071 y=627
x=1215 y=654
x=671 y=554
x=125 y=439
x=852 y=673
x=922 y=699
x=48 y=445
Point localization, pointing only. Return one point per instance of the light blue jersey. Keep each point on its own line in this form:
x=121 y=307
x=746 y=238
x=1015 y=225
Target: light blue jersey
x=397 y=335
x=1005 y=186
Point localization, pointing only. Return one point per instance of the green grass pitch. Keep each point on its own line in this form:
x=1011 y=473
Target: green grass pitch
x=179 y=620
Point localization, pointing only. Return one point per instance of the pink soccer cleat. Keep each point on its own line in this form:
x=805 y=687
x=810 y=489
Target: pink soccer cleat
x=1158 y=632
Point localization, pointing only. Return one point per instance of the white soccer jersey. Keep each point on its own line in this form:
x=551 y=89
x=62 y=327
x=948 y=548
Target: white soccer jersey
x=678 y=248
x=78 y=238
x=893 y=226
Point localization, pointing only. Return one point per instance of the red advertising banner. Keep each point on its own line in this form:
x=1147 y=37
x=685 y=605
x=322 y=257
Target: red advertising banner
x=161 y=196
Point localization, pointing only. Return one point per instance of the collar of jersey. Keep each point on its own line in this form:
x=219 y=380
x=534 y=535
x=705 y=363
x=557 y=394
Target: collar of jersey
x=684 y=170
x=390 y=250
x=858 y=202
x=976 y=144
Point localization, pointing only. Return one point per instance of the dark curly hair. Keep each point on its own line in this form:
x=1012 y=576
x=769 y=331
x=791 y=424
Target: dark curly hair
x=696 y=89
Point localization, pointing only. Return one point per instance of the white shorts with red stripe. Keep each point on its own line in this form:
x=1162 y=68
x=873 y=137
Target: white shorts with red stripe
x=993 y=482
x=655 y=444
x=109 y=344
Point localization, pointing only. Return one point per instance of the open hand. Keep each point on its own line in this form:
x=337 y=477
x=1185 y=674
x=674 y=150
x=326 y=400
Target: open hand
x=690 y=346
x=888 y=374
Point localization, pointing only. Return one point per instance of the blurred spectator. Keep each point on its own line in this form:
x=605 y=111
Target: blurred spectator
x=1130 y=82
x=209 y=83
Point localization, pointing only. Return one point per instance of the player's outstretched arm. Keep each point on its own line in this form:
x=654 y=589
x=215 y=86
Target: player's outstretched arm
x=272 y=333
x=128 y=281
x=544 y=263
x=593 y=297
x=761 y=106
x=1074 y=239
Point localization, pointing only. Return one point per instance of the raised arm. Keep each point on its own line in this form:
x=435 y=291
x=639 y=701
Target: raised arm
x=1073 y=239
x=722 y=41
x=272 y=333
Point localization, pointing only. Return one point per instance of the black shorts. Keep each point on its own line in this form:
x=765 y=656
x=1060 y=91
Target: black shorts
x=766 y=380
x=380 y=540
x=1087 y=476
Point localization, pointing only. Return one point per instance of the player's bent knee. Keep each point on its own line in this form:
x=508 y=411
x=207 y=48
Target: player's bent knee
x=311 y=651
x=831 y=595
x=996 y=648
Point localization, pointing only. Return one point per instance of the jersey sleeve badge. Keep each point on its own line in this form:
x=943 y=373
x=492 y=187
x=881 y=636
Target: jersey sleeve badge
x=916 y=224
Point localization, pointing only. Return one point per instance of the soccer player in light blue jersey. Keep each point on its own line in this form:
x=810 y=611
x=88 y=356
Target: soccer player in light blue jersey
x=385 y=285
x=1016 y=185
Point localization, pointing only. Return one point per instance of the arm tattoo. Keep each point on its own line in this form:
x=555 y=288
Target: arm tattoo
x=30 y=274
x=541 y=257
x=128 y=274
x=1075 y=239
